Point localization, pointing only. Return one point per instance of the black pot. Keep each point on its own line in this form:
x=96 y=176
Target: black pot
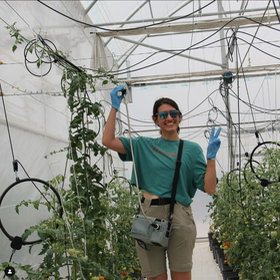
x=210 y=239
x=218 y=253
x=230 y=275
x=225 y=267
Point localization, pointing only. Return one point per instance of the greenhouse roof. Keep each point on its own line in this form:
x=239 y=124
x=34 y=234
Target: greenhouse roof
x=183 y=40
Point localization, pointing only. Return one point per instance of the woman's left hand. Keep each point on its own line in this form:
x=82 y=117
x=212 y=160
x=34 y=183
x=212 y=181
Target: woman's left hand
x=214 y=143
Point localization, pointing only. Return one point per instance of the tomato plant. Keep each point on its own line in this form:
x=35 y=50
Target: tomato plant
x=245 y=218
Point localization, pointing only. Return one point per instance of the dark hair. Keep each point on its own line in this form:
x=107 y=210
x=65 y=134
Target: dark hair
x=165 y=100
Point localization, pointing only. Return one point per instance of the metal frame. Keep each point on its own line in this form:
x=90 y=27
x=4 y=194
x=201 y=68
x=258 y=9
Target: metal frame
x=167 y=29
x=125 y=22
x=189 y=26
x=201 y=22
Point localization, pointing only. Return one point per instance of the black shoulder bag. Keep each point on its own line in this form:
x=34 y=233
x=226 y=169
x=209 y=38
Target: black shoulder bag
x=151 y=230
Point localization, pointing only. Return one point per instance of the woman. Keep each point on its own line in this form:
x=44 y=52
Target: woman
x=155 y=160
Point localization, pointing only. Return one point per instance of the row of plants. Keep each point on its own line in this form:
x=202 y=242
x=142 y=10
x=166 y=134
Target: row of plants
x=245 y=217
x=218 y=249
x=78 y=243
x=91 y=240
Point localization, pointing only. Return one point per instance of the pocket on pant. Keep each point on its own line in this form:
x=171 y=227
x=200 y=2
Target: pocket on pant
x=186 y=212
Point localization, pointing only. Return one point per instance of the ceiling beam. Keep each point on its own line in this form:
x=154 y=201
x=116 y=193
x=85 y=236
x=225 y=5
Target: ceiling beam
x=177 y=53
x=129 y=17
x=191 y=26
x=124 y=57
x=176 y=17
x=162 y=79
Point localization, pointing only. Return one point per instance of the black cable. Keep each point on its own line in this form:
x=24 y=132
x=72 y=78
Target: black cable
x=190 y=47
x=255 y=107
x=247 y=91
x=239 y=125
x=264 y=181
x=17 y=242
x=255 y=47
x=49 y=51
x=166 y=50
x=10 y=259
x=275 y=8
x=63 y=62
x=198 y=105
x=229 y=178
x=231 y=43
x=120 y=72
x=258 y=27
x=7 y=123
x=42 y=194
x=32 y=46
x=264 y=41
x=230 y=119
x=133 y=28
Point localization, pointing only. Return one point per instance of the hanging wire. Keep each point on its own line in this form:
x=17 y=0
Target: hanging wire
x=126 y=29
x=276 y=11
x=252 y=107
x=251 y=44
x=20 y=16
x=264 y=181
x=7 y=124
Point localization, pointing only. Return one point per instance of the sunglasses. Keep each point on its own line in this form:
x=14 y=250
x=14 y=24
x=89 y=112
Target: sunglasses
x=173 y=114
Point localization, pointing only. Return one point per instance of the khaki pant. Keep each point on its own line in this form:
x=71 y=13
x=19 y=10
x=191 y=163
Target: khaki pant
x=180 y=246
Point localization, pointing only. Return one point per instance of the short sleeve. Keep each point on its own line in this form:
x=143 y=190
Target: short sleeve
x=126 y=144
x=199 y=170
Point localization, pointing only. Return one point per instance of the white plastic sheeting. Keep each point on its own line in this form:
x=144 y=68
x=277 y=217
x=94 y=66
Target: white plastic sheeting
x=36 y=109
x=39 y=118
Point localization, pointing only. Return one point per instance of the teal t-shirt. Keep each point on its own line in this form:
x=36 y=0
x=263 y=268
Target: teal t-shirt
x=155 y=161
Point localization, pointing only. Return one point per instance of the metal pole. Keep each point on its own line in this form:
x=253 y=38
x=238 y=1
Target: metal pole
x=199 y=15
x=90 y=6
x=226 y=93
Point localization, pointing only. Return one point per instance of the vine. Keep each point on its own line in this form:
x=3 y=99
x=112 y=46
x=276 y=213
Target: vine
x=93 y=233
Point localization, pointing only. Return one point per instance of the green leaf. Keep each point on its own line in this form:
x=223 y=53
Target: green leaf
x=14 y=48
x=25 y=203
x=39 y=63
x=30 y=49
x=36 y=204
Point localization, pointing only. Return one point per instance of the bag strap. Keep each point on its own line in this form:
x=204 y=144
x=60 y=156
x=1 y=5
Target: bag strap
x=175 y=179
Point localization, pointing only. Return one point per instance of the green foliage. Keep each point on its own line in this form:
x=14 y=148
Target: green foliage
x=66 y=242
x=15 y=33
x=122 y=206
x=246 y=216
x=92 y=238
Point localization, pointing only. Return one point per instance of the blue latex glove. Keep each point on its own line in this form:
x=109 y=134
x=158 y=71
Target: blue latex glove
x=117 y=96
x=214 y=143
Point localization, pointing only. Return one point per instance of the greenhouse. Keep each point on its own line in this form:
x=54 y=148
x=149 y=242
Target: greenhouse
x=79 y=84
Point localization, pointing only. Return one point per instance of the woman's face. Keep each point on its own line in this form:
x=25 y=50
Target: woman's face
x=168 y=122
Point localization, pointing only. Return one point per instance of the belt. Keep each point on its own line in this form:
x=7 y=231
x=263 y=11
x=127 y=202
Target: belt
x=158 y=201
